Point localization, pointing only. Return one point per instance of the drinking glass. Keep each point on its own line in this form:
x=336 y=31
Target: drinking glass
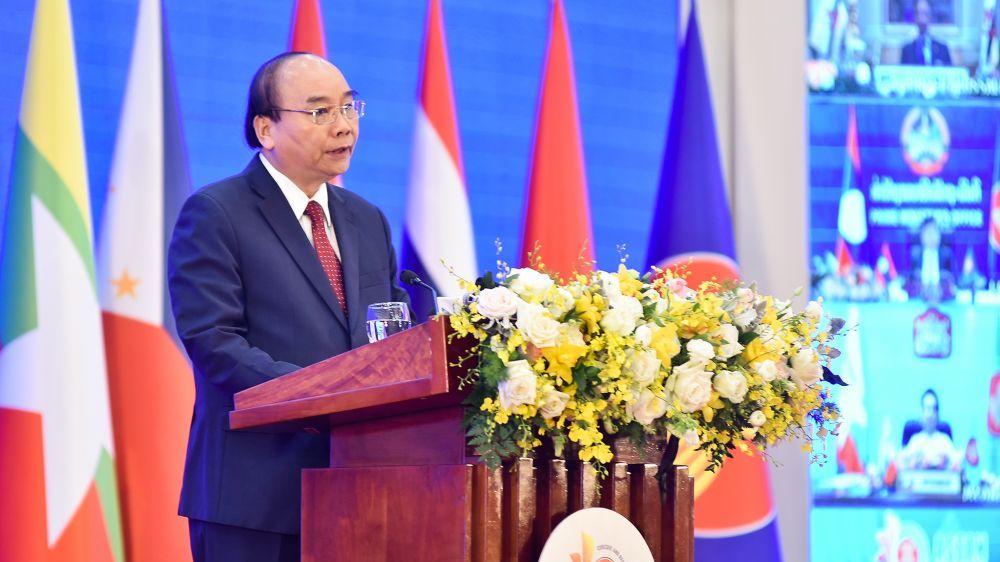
x=386 y=319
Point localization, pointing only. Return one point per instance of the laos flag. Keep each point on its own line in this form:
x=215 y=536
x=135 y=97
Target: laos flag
x=692 y=228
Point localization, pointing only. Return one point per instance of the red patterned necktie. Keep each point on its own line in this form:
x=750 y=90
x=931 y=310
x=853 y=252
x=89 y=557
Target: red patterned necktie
x=327 y=257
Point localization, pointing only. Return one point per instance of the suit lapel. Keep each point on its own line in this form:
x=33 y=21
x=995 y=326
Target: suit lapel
x=286 y=226
x=346 y=228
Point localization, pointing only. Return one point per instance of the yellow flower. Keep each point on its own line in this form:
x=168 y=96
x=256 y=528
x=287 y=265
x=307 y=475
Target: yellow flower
x=628 y=281
x=756 y=351
x=665 y=343
x=563 y=357
x=589 y=307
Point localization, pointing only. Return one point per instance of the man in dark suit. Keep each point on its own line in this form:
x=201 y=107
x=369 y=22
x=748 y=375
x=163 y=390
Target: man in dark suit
x=269 y=271
x=924 y=51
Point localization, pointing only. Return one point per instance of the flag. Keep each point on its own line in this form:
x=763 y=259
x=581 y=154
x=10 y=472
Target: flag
x=151 y=385
x=307 y=28
x=307 y=37
x=692 y=227
x=557 y=209
x=57 y=464
x=437 y=231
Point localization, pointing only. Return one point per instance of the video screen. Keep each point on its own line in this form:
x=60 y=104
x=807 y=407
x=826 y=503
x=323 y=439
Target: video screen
x=904 y=180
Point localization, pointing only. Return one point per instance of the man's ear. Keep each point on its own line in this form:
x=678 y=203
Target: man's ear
x=262 y=125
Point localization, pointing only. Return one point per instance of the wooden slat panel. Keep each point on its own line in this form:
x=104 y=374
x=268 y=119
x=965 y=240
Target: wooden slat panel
x=487 y=514
x=615 y=489
x=583 y=486
x=647 y=506
x=519 y=511
x=553 y=499
x=678 y=517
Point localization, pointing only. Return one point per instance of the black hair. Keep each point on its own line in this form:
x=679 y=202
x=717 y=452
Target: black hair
x=263 y=95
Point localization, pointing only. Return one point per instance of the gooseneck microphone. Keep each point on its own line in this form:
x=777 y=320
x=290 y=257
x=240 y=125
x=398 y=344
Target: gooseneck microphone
x=411 y=278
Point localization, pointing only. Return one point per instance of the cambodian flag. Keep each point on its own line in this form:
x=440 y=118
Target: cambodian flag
x=692 y=228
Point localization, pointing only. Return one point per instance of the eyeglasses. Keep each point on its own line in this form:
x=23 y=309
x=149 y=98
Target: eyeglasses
x=351 y=111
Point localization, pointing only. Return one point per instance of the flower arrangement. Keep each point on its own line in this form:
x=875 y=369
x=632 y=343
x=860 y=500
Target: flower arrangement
x=720 y=367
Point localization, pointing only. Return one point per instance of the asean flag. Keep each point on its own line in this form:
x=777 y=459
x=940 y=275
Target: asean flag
x=692 y=228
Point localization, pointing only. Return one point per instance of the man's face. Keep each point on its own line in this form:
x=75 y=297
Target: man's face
x=922 y=15
x=930 y=413
x=309 y=154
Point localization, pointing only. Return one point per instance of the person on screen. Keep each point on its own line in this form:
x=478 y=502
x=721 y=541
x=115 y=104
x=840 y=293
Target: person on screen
x=924 y=50
x=269 y=271
x=930 y=274
x=928 y=444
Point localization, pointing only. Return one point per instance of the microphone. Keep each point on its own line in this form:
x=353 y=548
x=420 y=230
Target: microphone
x=411 y=278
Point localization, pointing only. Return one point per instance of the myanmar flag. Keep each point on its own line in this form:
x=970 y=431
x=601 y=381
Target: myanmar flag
x=152 y=389
x=57 y=470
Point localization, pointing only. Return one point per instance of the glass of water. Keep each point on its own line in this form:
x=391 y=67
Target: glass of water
x=386 y=319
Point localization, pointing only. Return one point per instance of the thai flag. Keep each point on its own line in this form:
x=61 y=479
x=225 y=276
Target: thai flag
x=692 y=228
x=437 y=233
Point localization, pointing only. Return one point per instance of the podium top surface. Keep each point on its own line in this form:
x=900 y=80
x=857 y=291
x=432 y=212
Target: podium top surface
x=410 y=371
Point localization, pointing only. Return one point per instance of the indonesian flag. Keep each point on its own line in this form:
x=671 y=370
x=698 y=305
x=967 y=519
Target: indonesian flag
x=151 y=383
x=692 y=229
x=437 y=233
x=58 y=491
x=557 y=211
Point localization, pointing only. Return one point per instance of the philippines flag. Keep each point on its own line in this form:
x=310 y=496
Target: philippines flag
x=692 y=228
x=150 y=382
x=437 y=233
x=557 y=210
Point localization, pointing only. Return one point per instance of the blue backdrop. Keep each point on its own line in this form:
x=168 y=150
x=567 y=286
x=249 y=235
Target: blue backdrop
x=625 y=62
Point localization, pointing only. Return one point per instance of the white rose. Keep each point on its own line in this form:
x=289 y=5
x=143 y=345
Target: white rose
x=572 y=334
x=537 y=326
x=767 y=370
x=643 y=365
x=814 y=311
x=553 y=403
x=806 y=370
x=529 y=283
x=691 y=386
x=783 y=371
x=731 y=385
x=519 y=388
x=643 y=335
x=647 y=407
x=618 y=321
x=497 y=303
x=757 y=418
x=562 y=303
x=691 y=438
x=700 y=351
x=730 y=337
x=745 y=316
x=745 y=296
x=612 y=288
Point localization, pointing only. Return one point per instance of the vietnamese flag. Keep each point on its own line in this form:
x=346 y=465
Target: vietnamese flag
x=557 y=209
x=152 y=388
x=307 y=28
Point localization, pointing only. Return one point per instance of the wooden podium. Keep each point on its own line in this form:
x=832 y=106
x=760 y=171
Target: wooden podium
x=402 y=485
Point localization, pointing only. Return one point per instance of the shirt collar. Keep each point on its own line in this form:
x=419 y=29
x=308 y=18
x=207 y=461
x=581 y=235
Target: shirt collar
x=296 y=197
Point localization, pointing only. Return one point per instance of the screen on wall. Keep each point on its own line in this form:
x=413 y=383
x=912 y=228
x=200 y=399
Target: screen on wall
x=904 y=148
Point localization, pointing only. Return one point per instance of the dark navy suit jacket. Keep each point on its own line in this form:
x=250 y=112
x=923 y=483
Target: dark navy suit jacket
x=913 y=53
x=252 y=303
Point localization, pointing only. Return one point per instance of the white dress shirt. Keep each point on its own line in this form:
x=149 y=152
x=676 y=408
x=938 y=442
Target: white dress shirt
x=297 y=200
